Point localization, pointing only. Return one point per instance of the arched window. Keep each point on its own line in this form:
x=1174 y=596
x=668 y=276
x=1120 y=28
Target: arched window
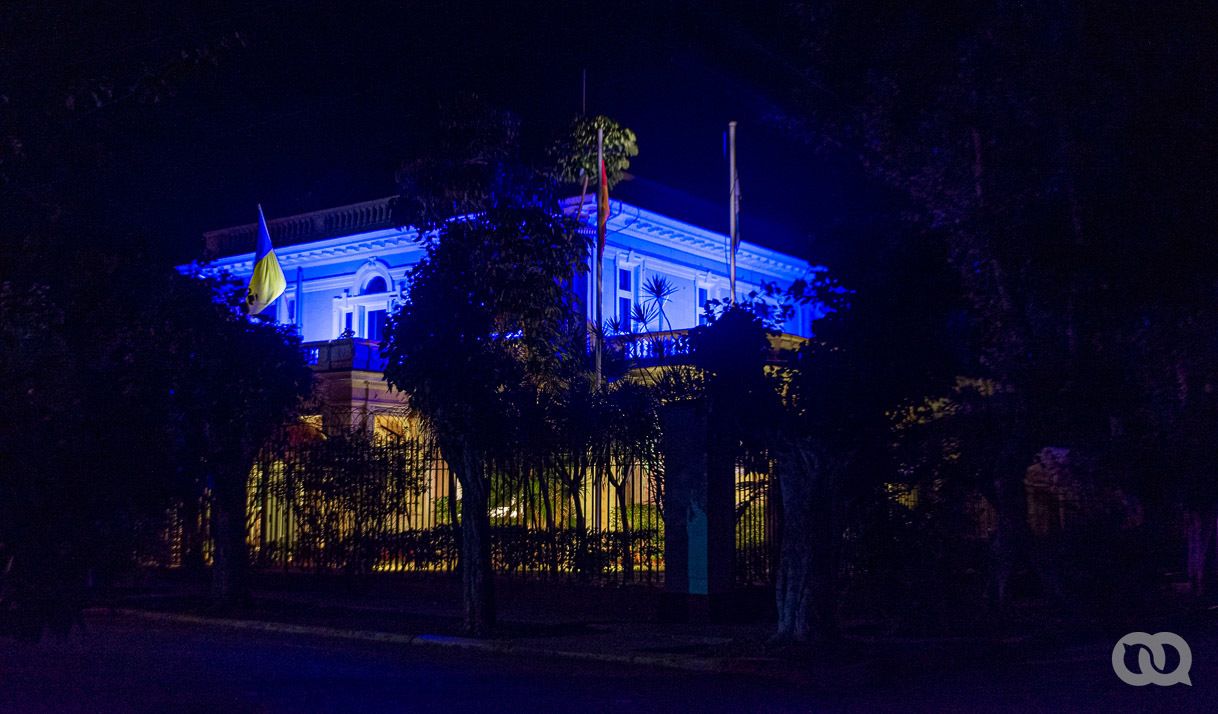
x=375 y=285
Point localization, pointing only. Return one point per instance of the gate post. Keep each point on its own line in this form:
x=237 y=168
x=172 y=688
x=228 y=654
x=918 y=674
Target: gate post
x=699 y=516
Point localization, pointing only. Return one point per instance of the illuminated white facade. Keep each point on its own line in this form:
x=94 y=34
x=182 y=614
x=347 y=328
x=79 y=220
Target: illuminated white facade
x=346 y=268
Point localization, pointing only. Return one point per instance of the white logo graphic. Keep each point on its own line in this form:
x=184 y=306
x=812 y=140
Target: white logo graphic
x=1152 y=659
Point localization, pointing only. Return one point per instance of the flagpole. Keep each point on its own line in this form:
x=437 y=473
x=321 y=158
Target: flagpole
x=732 y=203
x=295 y=316
x=598 y=268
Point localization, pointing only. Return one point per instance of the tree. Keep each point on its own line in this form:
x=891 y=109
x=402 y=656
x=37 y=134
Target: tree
x=574 y=155
x=472 y=162
x=244 y=381
x=119 y=401
x=1019 y=138
x=106 y=342
x=481 y=330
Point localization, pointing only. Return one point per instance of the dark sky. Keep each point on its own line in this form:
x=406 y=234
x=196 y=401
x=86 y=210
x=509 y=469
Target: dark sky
x=323 y=102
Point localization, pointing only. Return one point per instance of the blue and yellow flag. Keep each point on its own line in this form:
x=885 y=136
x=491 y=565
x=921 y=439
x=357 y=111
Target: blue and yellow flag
x=267 y=283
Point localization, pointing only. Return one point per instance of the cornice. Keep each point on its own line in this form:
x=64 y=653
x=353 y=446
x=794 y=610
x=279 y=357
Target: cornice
x=662 y=230
x=624 y=219
x=324 y=252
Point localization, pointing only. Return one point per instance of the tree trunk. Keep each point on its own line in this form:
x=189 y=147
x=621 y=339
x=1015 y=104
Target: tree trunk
x=1200 y=533
x=453 y=516
x=574 y=481
x=583 y=193
x=477 y=583
x=805 y=585
x=774 y=525
x=623 y=509
x=1008 y=549
x=231 y=558
x=543 y=486
x=193 y=535
x=581 y=537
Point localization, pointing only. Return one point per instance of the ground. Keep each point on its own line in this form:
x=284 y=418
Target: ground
x=125 y=663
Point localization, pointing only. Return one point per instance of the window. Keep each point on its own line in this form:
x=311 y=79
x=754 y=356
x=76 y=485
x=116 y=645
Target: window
x=703 y=298
x=363 y=309
x=375 y=285
x=376 y=324
x=625 y=298
x=292 y=316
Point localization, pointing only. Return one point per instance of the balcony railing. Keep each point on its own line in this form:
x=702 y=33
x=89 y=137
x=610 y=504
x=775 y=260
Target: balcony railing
x=344 y=355
x=645 y=348
x=651 y=348
x=672 y=346
x=290 y=230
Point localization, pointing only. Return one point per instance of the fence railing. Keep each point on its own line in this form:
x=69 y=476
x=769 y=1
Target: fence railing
x=375 y=495
x=379 y=497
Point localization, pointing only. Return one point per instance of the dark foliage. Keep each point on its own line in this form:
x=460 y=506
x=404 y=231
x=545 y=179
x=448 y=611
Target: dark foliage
x=484 y=328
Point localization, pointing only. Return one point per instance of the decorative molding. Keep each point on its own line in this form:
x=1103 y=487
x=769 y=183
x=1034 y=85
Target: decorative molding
x=325 y=252
x=341 y=240
x=652 y=227
x=668 y=268
x=338 y=234
x=305 y=227
x=372 y=268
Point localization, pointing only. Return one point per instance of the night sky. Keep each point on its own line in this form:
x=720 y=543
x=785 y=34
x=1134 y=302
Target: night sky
x=318 y=104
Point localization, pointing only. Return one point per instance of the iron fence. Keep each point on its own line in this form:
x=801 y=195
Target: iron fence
x=371 y=493
x=757 y=519
x=365 y=492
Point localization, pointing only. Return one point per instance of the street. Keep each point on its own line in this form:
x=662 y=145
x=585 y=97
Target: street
x=124 y=664
x=128 y=664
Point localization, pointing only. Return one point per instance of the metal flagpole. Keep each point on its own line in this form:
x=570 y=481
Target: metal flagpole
x=597 y=267
x=299 y=306
x=733 y=199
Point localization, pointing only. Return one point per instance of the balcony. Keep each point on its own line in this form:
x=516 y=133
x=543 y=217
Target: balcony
x=344 y=355
x=645 y=349
x=648 y=349
x=651 y=348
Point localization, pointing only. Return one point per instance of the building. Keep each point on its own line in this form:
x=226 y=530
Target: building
x=347 y=268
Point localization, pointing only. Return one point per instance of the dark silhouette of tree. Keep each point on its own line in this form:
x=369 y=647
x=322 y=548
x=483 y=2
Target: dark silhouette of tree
x=1058 y=158
x=244 y=381
x=138 y=380
x=480 y=332
x=470 y=162
x=131 y=389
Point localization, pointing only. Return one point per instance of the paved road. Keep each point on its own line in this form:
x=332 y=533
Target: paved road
x=124 y=664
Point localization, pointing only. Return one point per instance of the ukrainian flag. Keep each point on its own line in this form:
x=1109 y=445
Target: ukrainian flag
x=267 y=283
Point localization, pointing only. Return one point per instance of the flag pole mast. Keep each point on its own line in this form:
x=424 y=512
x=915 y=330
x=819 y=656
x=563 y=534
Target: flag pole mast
x=732 y=200
x=597 y=267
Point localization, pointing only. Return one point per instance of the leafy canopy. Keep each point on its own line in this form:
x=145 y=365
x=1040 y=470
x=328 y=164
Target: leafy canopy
x=486 y=319
x=574 y=155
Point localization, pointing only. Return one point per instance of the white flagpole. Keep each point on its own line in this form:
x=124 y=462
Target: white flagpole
x=731 y=143
x=597 y=267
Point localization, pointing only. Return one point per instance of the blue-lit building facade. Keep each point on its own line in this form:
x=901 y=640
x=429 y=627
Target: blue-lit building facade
x=347 y=267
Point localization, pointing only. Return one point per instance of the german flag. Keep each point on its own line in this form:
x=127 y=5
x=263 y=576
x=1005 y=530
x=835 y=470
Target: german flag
x=602 y=213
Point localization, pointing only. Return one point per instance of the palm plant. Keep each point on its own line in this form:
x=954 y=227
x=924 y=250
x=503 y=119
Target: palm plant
x=657 y=291
x=642 y=315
